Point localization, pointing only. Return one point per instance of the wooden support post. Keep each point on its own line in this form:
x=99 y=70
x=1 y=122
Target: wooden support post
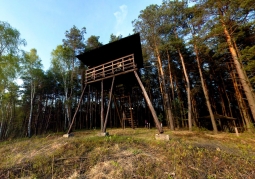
x=149 y=104
x=236 y=130
x=237 y=134
x=109 y=104
x=90 y=110
x=103 y=73
x=123 y=69
x=71 y=125
x=102 y=106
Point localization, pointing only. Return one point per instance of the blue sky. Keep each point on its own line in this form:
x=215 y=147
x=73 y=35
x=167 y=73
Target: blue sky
x=43 y=23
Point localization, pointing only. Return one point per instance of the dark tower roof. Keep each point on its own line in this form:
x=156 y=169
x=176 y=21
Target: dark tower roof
x=125 y=46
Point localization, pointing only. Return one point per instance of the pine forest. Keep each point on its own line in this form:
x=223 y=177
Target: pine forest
x=199 y=72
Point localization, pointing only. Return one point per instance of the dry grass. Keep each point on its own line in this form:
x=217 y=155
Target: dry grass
x=130 y=154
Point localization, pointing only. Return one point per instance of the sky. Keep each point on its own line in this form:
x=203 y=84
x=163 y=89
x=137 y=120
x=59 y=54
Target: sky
x=43 y=23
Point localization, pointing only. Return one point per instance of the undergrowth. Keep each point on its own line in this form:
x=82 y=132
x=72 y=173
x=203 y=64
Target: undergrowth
x=130 y=154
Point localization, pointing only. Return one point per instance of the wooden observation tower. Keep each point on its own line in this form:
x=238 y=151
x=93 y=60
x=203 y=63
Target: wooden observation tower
x=116 y=66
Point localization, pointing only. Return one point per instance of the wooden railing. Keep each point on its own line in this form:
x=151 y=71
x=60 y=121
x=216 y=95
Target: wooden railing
x=116 y=67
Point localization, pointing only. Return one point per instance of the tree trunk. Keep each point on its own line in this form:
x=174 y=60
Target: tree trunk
x=223 y=107
x=162 y=94
x=170 y=75
x=188 y=90
x=149 y=104
x=180 y=103
x=239 y=97
x=244 y=81
x=194 y=110
x=245 y=74
x=32 y=94
x=224 y=89
x=165 y=94
x=205 y=90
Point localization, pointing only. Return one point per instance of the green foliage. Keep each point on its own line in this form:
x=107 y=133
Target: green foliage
x=92 y=43
x=161 y=117
x=248 y=58
x=10 y=58
x=61 y=60
x=32 y=66
x=10 y=40
x=75 y=39
x=114 y=38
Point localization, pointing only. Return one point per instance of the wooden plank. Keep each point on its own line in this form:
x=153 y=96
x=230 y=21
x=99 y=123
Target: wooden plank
x=155 y=117
x=112 y=66
x=121 y=73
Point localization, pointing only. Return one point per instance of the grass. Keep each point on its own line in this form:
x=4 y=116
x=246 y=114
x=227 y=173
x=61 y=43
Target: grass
x=130 y=154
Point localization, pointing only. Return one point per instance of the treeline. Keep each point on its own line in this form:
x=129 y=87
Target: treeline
x=46 y=100
x=204 y=57
x=199 y=64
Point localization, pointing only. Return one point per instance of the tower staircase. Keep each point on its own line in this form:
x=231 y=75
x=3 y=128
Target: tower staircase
x=125 y=106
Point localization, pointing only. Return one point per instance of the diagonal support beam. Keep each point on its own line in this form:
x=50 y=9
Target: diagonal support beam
x=109 y=104
x=74 y=116
x=118 y=112
x=149 y=104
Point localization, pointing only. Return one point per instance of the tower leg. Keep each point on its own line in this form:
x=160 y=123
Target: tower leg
x=149 y=104
x=102 y=106
x=109 y=104
x=74 y=116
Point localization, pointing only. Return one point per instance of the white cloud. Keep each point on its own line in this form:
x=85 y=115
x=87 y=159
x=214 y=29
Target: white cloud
x=120 y=18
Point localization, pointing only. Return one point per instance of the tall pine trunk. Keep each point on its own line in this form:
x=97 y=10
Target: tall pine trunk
x=170 y=75
x=243 y=80
x=205 y=90
x=32 y=94
x=227 y=96
x=165 y=94
x=239 y=97
x=188 y=90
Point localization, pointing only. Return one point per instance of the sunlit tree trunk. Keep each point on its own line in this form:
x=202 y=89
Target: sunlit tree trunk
x=239 y=56
x=243 y=80
x=239 y=97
